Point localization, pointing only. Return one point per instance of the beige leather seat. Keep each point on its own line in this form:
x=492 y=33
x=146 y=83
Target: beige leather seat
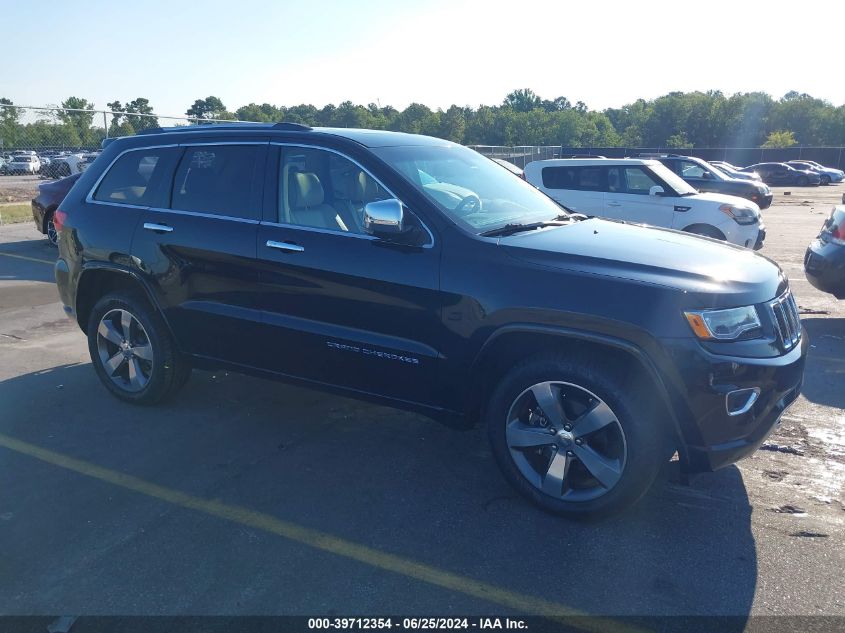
x=307 y=203
x=352 y=191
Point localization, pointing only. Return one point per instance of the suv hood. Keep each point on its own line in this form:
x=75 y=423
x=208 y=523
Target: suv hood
x=714 y=272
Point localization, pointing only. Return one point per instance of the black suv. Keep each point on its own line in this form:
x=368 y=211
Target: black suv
x=706 y=177
x=417 y=273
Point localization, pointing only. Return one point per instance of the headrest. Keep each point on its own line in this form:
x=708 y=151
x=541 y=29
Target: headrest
x=307 y=190
x=355 y=186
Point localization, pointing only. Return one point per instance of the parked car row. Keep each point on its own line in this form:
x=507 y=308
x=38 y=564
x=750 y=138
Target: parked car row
x=50 y=163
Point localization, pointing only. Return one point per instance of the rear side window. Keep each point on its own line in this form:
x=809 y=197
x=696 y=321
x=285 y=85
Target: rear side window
x=577 y=178
x=219 y=179
x=139 y=177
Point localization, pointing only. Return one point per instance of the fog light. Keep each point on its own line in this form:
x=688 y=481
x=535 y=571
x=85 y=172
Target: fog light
x=740 y=401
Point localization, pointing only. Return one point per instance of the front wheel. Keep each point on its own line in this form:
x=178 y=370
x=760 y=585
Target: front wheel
x=132 y=350
x=574 y=437
x=705 y=230
x=825 y=180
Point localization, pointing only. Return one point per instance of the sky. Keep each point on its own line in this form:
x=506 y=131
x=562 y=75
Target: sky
x=396 y=52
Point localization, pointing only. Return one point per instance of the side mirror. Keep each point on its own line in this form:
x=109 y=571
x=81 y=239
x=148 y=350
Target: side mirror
x=707 y=175
x=384 y=218
x=656 y=190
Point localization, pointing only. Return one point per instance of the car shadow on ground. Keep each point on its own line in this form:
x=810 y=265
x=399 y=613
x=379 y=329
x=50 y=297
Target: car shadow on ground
x=390 y=480
x=825 y=371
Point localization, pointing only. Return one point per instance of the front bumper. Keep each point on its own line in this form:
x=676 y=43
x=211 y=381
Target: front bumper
x=761 y=237
x=824 y=267
x=712 y=438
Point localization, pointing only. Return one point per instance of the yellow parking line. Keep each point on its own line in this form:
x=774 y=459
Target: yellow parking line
x=31 y=259
x=318 y=540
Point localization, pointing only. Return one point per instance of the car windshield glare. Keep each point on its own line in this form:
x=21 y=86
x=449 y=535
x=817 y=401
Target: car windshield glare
x=476 y=193
x=678 y=184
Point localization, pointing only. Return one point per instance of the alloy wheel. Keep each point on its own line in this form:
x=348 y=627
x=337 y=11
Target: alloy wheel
x=566 y=441
x=125 y=351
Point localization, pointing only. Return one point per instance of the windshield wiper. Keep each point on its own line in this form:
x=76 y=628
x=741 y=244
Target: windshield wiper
x=518 y=227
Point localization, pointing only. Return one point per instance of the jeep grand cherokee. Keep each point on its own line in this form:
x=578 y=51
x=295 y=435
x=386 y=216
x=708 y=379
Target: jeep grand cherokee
x=414 y=272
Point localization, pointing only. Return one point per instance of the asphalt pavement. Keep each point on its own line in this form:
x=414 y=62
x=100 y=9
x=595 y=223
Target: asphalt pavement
x=245 y=496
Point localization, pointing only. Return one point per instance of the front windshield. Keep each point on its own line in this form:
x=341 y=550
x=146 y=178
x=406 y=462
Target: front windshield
x=470 y=189
x=678 y=184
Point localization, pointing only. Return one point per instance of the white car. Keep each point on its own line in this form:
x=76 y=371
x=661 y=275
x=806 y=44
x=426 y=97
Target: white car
x=646 y=192
x=23 y=164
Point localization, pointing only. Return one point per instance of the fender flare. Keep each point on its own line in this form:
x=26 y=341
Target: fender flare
x=111 y=267
x=628 y=347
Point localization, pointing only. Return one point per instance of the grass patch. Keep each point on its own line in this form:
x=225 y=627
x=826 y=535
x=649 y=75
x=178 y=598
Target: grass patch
x=12 y=213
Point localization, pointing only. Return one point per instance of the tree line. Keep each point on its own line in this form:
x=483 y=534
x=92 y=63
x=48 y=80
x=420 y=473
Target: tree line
x=674 y=120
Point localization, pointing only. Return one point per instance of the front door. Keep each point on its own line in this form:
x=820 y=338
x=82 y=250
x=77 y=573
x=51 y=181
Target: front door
x=629 y=197
x=341 y=307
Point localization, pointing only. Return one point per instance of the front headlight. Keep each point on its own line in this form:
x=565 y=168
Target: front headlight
x=740 y=214
x=724 y=325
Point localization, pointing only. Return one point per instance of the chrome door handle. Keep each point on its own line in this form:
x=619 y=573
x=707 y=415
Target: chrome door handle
x=161 y=228
x=614 y=204
x=288 y=247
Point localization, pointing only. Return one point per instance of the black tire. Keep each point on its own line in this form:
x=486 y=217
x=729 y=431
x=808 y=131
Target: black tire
x=645 y=435
x=803 y=181
x=825 y=180
x=706 y=230
x=164 y=375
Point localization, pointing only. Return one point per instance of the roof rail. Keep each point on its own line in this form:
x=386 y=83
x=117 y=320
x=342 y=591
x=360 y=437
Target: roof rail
x=657 y=155
x=293 y=127
x=208 y=127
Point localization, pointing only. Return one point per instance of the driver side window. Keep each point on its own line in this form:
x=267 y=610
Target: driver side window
x=639 y=181
x=321 y=189
x=692 y=170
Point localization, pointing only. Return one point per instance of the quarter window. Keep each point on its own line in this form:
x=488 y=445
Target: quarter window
x=139 y=177
x=218 y=179
x=573 y=178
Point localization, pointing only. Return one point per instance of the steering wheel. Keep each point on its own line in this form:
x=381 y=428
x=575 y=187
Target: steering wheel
x=470 y=204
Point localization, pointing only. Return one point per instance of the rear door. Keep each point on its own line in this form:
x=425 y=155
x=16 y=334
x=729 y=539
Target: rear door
x=628 y=197
x=197 y=248
x=579 y=188
x=341 y=307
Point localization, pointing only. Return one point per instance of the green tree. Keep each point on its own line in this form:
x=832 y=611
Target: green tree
x=209 y=108
x=522 y=100
x=780 y=138
x=137 y=107
x=264 y=113
x=453 y=124
x=79 y=115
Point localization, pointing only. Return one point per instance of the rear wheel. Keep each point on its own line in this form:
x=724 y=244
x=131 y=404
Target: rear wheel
x=575 y=438
x=50 y=230
x=132 y=350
